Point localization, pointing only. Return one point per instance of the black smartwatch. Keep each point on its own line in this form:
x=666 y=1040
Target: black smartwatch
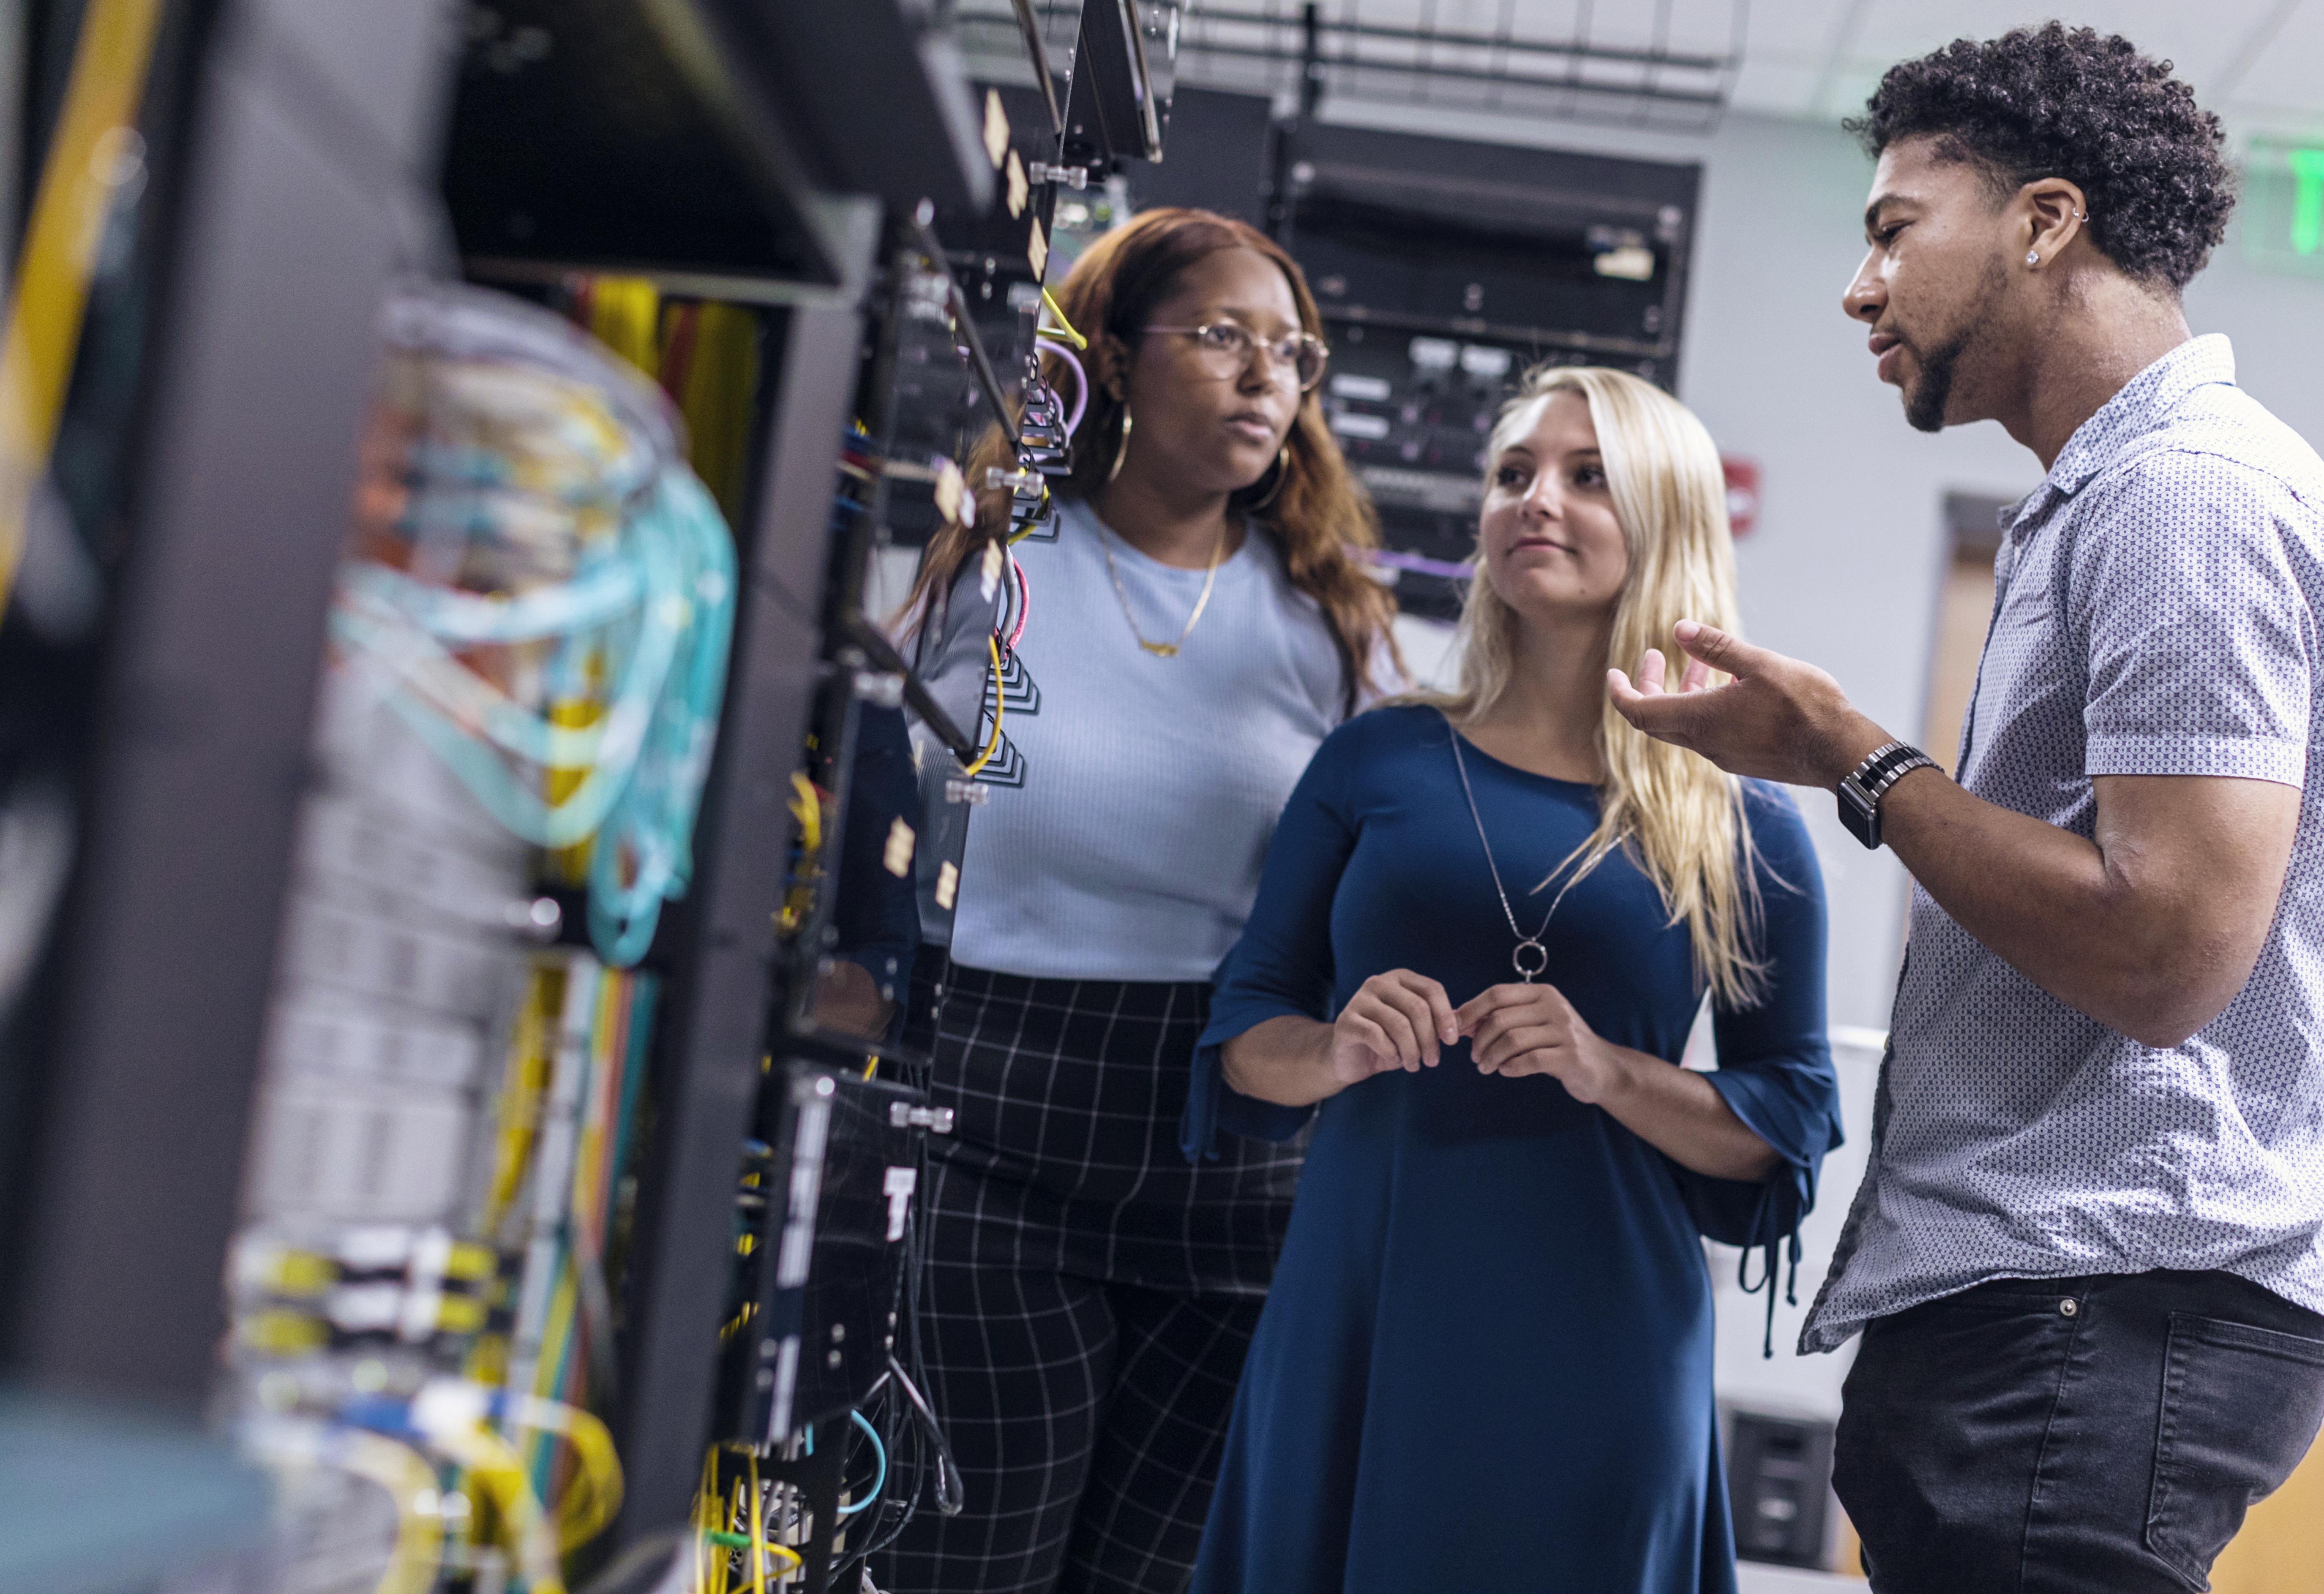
x=1862 y=788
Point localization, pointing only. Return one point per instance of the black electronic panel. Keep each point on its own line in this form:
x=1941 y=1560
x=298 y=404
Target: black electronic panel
x=1219 y=146
x=1446 y=271
x=1584 y=253
x=1411 y=411
x=918 y=137
x=1778 y=1479
x=870 y=829
x=822 y=1297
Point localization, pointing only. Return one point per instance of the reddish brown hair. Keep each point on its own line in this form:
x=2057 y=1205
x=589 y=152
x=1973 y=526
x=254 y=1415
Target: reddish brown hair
x=1319 y=521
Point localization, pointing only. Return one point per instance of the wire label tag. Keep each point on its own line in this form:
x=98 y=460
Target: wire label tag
x=901 y=1183
x=996 y=128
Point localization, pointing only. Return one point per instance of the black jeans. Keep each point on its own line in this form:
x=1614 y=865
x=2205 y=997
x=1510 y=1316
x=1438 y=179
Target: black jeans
x=2073 y=1433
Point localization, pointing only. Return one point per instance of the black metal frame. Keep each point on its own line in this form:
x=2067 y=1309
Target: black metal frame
x=300 y=202
x=707 y=1072
x=1111 y=114
x=1037 y=50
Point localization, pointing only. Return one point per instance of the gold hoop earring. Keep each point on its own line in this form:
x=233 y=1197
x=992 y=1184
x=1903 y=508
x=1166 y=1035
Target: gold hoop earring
x=1122 y=452
x=1282 y=472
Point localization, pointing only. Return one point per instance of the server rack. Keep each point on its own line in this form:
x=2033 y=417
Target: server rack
x=305 y=155
x=250 y=185
x=299 y=145
x=1445 y=270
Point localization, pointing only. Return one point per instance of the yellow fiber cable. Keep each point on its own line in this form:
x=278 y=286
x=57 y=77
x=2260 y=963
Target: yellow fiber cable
x=292 y=1445
x=590 y=1501
x=625 y=316
x=746 y=1528
x=532 y=1053
x=755 y=1524
x=720 y=380
x=90 y=156
x=1030 y=526
x=993 y=746
x=706 y=1520
x=497 y=1469
x=564 y=1303
x=1063 y=326
x=411 y=1482
x=807 y=808
x=590 y=1173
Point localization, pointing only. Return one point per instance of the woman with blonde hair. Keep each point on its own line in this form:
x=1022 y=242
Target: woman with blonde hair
x=1484 y=928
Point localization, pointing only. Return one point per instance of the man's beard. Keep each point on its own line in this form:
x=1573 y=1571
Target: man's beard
x=1925 y=400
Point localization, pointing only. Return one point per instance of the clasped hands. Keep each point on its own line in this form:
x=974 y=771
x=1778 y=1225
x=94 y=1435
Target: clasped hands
x=1400 y=1019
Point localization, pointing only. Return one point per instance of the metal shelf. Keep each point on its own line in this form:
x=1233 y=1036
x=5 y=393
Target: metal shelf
x=705 y=138
x=1663 y=76
x=619 y=133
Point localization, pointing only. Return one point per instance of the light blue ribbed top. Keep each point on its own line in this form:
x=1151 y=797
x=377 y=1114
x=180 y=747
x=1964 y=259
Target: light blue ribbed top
x=1133 y=802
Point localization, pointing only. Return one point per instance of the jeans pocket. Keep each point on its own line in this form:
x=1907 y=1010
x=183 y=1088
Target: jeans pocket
x=2240 y=1407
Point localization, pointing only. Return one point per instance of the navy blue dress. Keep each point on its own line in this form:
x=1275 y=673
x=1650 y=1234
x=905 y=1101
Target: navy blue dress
x=1486 y=1360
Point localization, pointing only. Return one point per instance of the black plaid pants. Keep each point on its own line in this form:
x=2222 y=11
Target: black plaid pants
x=1089 y=1296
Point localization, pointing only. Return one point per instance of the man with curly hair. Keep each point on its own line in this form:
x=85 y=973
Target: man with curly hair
x=2088 y=1258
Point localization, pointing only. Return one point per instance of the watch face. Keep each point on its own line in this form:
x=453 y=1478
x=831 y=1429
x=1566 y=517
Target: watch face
x=1859 y=813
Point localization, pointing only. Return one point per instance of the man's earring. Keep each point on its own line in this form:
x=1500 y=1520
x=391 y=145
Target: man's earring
x=2033 y=257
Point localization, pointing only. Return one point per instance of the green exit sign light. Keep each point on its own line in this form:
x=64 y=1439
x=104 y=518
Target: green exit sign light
x=2284 y=207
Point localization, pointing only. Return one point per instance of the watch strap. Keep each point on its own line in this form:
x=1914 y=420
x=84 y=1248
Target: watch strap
x=1896 y=770
x=1875 y=762
x=1862 y=788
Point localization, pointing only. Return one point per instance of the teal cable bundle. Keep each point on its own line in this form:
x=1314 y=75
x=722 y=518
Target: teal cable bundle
x=672 y=577
x=412 y=628
x=650 y=836
x=532 y=440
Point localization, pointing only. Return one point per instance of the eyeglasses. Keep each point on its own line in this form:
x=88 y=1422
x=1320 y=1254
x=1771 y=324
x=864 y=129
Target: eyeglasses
x=1224 y=348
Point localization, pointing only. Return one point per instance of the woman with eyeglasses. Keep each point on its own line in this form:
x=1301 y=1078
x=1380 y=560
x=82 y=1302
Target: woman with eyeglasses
x=1201 y=618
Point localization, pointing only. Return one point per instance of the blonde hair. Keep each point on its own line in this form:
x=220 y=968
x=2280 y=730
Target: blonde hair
x=1679 y=817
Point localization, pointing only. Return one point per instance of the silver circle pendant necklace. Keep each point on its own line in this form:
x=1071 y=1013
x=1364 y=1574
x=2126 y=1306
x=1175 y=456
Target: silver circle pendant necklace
x=1530 y=958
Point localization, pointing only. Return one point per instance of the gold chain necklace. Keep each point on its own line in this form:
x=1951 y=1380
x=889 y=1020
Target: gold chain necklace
x=1210 y=579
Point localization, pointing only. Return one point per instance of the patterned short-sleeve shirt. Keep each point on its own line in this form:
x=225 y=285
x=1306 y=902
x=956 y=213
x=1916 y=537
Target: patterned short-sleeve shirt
x=2156 y=613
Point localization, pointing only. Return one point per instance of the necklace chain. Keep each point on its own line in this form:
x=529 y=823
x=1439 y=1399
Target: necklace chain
x=1527 y=969
x=1210 y=579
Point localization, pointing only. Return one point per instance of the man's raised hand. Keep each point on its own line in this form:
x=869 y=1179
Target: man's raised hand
x=1775 y=719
